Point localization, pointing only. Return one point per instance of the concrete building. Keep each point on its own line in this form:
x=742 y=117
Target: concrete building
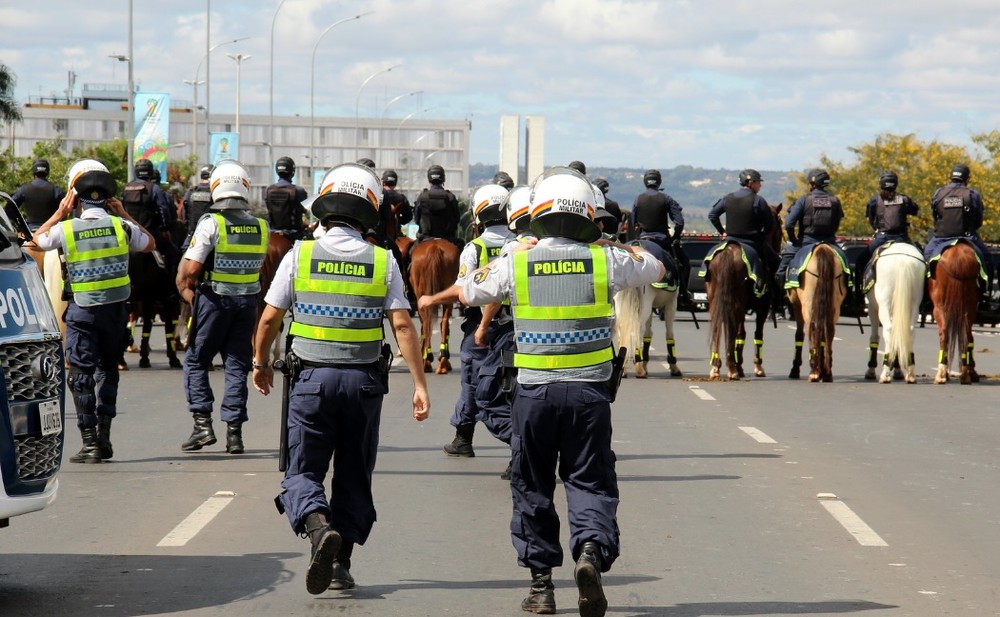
x=510 y=147
x=534 y=146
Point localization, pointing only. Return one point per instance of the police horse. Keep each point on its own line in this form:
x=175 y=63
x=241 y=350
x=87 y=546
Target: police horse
x=816 y=306
x=731 y=295
x=278 y=245
x=154 y=292
x=954 y=290
x=434 y=268
x=634 y=322
x=893 y=303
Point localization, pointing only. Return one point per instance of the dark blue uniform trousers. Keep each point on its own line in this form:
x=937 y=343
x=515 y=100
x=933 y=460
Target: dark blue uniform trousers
x=333 y=413
x=95 y=340
x=224 y=326
x=494 y=407
x=564 y=426
x=468 y=408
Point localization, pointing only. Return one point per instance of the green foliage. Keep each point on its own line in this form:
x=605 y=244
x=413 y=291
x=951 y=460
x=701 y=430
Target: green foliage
x=10 y=110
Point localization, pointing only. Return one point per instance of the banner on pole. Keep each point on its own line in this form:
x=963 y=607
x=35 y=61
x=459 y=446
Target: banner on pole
x=152 y=128
x=223 y=146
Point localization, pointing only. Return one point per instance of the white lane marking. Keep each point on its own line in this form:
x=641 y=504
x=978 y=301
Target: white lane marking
x=665 y=365
x=197 y=520
x=705 y=396
x=864 y=534
x=758 y=435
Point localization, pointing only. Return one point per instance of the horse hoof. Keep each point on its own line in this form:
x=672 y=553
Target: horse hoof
x=885 y=380
x=813 y=377
x=428 y=367
x=144 y=363
x=870 y=374
x=974 y=376
x=911 y=379
x=675 y=372
x=122 y=366
x=734 y=377
x=793 y=374
x=759 y=372
x=640 y=370
x=132 y=349
x=828 y=379
x=175 y=363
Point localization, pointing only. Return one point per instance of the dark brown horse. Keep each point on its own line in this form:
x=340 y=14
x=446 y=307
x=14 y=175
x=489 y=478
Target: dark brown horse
x=434 y=268
x=816 y=305
x=730 y=296
x=954 y=290
x=278 y=246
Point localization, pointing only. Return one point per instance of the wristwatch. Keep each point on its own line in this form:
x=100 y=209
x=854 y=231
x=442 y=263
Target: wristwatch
x=266 y=364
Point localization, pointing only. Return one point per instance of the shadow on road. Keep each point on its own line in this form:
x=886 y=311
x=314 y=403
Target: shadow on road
x=753 y=608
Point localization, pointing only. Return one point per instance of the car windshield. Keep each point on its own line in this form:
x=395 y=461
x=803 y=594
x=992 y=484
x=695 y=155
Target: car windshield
x=697 y=249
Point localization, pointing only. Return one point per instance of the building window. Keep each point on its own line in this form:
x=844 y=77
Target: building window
x=60 y=125
x=121 y=127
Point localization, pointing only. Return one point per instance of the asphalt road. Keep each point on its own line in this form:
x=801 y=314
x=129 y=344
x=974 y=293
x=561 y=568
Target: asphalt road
x=759 y=497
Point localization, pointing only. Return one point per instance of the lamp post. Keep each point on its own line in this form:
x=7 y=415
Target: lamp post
x=357 y=103
x=239 y=58
x=270 y=123
x=312 y=88
x=403 y=121
x=381 y=122
x=194 y=83
x=130 y=165
x=206 y=59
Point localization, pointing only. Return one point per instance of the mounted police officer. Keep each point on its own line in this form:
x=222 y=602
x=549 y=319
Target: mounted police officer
x=96 y=245
x=610 y=205
x=197 y=201
x=814 y=217
x=652 y=213
x=283 y=199
x=491 y=323
x=339 y=288
x=436 y=210
x=146 y=201
x=220 y=277
x=748 y=219
x=958 y=214
x=560 y=293
x=38 y=199
x=887 y=212
x=503 y=179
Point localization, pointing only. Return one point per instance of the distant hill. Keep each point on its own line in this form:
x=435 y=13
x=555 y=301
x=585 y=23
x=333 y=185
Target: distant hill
x=695 y=188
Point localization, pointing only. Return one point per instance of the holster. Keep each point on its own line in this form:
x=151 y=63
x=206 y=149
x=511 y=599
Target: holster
x=508 y=375
x=617 y=370
x=384 y=363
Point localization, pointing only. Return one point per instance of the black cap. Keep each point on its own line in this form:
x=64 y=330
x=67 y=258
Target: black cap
x=285 y=167
x=503 y=179
x=960 y=173
x=819 y=178
x=652 y=178
x=602 y=183
x=389 y=177
x=435 y=174
x=579 y=166
x=888 y=181
x=749 y=175
x=144 y=169
x=40 y=167
x=367 y=162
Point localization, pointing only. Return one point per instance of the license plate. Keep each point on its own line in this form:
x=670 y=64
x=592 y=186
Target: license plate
x=48 y=412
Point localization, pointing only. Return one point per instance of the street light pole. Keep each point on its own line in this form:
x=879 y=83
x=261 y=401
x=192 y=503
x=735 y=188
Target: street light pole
x=197 y=73
x=357 y=104
x=239 y=58
x=194 y=83
x=312 y=90
x=131 y=101
x=270 y=124
x=381 y=121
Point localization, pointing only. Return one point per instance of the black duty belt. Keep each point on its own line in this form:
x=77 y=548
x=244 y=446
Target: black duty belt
x=311 y=364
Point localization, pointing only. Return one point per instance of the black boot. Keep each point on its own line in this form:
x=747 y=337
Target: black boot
x=325 y=546
x=462 y=444
x=588 y=581
x=541 y=595
x=506 y=472
x=202 y=435
x=104 y=437
x=234 y=438
x=342 y=578
x=89 y=453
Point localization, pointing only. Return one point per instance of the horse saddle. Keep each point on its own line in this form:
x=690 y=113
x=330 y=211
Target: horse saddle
x=671 y=279
x=801 y=261
x=939 y=250
x=870 y=274
x=753 y=262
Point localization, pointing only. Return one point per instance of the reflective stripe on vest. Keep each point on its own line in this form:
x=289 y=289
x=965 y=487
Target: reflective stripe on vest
x=486 y=253
x=562 y=309
x=97 y=260
x=238 y=255
x=339 y=300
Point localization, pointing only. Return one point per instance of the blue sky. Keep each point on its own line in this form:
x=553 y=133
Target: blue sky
x=769 y=84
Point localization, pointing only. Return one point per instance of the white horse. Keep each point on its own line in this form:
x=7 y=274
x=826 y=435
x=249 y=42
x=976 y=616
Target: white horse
x=894 y=301
x=634 y=321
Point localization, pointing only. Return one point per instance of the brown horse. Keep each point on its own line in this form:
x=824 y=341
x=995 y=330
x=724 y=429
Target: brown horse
x=434 y=268
x=278 y=245
x=816 y=305
x=730 y=296
x=954 y=290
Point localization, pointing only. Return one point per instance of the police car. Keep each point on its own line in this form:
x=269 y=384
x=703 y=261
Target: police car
x=33 y=385
x=696 y=247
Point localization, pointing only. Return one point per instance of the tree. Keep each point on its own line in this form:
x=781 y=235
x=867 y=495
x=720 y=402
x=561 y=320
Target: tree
x=10 y=111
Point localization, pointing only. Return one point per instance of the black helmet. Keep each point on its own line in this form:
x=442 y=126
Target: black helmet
x=960 y=173
x=652 y=178
x=888 y=181
x=40 y=168
x=285 y=167
x=144 y=169
x=749 y=175
x=367 y=162
x=578 y=166
x=503 y=179
x=205 y=172
x=602 y=183
x=435 y=174
x=819 y=178
x=608 y=220
x=389 y=177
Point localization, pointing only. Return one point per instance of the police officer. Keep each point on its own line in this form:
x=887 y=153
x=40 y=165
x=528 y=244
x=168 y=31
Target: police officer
x=338 y=288
x=958 y=214
x=436 y=210
x=816 y=215
x=394 y=212
x=887 y=212
x=748 y=218
x=494 y=323
x=503 y=179
x=197 y=201
x=578 y=166
x=652 y=212
x=151 y=206
x=38 y=199
x=609 y=204
x=560 y=293
x=96 y=245
x=518 y=208
x=284 y=201
x=220 y=277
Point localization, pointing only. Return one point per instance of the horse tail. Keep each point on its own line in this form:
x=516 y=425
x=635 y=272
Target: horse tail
x=957 y=273
x=907 y=282
x=629 y=321
x=727 y=284
x=821 y=327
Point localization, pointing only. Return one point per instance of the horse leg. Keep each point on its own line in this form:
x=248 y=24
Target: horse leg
x=758 y=339
x=799 y=338
x=444 y=362
x=425 y=339
x=133 y=316
x=739 y=342
x=147 y=331
x=888 y=374
x=669 y=313
x=169 y=315
x=873 y=321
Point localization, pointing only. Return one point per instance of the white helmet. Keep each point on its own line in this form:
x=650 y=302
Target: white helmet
x=488 y=204
x=91 y=180
x=230 y=186
x=517 y=203
x=562 y=204
x=350 y=192
x=599 y=198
